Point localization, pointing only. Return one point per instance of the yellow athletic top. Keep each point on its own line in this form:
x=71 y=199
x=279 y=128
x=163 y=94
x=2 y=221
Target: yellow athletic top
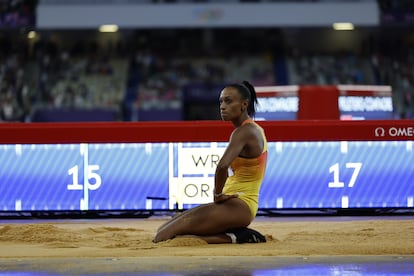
x=246 y=176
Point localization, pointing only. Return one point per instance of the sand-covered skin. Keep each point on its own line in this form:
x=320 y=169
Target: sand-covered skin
x=133 y=238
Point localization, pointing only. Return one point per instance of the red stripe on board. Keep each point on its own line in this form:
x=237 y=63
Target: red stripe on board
x=202 y=131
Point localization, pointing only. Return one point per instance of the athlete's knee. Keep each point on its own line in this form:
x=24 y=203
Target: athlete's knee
x=160 y=236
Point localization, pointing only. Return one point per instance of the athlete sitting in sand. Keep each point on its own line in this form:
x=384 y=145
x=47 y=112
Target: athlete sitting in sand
x=238 y=177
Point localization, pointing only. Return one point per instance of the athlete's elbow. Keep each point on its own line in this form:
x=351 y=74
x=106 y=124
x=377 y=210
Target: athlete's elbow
x=221 y=168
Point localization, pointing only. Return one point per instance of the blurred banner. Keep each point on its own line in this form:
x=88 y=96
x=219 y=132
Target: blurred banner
x=345 y=102
x=61 y=14
x=277 y=102
x=285 y=102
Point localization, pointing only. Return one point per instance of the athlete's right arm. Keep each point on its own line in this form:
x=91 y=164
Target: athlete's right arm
x=236 y=145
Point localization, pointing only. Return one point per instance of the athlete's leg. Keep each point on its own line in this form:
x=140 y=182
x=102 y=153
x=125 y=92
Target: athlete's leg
x=207 y=220
x=213 y=239
x=175 y=217
x=234 y=235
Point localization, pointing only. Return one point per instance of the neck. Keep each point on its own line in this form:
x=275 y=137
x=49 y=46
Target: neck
x=239 y=121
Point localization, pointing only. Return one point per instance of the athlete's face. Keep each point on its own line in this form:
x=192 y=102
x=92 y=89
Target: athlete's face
x=231 y=104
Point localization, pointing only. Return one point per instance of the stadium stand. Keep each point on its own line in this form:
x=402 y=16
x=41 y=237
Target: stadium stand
x=138 y=73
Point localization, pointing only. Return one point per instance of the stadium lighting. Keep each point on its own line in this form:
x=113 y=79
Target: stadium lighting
x=108 y=28
x=343 y=26
x=31 y=35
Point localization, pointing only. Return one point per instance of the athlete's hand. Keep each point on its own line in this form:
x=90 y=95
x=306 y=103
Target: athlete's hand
x=222 y=197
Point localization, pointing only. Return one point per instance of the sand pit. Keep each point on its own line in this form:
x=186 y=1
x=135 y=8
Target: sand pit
x=133 y=238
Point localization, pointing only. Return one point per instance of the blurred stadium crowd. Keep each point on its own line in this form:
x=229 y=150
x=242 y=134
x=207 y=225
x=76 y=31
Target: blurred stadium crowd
x=149 y=69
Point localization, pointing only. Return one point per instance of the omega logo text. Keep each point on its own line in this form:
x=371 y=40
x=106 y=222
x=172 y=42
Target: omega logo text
x=395 y=132
x=379 y=131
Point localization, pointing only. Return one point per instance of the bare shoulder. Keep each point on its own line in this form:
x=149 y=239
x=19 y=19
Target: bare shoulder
x=253 y=129
x=252 y=136
x=247 y=132
x=247 y=129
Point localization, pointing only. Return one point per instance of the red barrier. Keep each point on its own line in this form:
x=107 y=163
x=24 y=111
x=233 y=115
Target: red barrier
x=202 y=131
x=318 y=102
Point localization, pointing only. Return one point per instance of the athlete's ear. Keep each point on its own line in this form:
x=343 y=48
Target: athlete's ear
x=244 y=105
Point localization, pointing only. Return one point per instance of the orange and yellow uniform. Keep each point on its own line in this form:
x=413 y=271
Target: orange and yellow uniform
x=246 y=176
